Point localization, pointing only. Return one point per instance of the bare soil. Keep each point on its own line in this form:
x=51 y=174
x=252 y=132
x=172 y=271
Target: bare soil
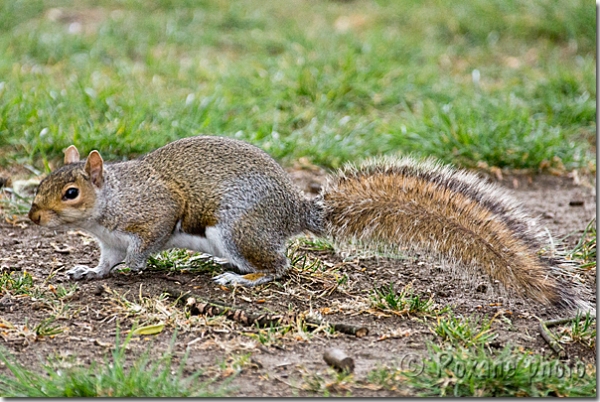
x=283 y=366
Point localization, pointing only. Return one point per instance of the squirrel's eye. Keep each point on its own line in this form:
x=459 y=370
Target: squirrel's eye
x=71 y=193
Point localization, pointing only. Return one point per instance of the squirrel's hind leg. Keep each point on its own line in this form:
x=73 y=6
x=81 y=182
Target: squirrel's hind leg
x=258 y=272
x=260 y=259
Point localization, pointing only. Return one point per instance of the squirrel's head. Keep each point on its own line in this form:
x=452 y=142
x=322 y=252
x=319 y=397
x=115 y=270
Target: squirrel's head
x=68 y=195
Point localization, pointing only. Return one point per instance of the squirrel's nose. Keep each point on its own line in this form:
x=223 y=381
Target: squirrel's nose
x=34 y=214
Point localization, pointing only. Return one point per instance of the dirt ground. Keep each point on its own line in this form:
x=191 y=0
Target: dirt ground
x=282 y=365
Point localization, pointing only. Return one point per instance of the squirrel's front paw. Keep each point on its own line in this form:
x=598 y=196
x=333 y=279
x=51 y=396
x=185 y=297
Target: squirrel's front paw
x=79 y=272
x=231 y=278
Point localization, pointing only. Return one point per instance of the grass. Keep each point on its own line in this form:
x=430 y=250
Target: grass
x=458 y=371
x=47 y=328
x=585 y=250
x=147 y=376
x=62 y=292
x=582 y=330
x=315 y=244
x=510 y=84
x=16 y=282
x=464 y=331
x=462 y=363
x=335 y=384
x=23 y=283
x=179 y=260
x=12 y=204
x=403 y=302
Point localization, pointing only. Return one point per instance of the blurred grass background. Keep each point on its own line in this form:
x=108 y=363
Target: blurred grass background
x=510 y=83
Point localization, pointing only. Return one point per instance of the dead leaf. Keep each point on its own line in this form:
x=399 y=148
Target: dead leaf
x=149 y=329
x=103 y=344
x=326 y=310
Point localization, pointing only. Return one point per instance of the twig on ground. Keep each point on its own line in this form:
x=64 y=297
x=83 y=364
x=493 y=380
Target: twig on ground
x=198 y=306
x=339 y=360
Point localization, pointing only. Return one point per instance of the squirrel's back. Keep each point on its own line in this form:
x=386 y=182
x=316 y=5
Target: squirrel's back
x=217 y=175
x=204 y=160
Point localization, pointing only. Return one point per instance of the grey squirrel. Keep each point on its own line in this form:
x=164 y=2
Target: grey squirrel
x=232 y=200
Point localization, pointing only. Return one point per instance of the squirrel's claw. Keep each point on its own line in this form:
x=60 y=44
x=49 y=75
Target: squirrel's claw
x=253 y=279
x=79 y=272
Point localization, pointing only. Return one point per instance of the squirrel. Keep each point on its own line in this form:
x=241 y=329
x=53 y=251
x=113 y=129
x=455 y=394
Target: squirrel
x=230 y=199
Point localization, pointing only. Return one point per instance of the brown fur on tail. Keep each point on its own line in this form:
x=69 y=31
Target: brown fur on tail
x=427 y=206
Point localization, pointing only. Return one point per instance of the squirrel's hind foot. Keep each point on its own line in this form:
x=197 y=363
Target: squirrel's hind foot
x=253 y=279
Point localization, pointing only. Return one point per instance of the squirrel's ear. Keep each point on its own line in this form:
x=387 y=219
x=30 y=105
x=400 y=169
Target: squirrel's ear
x=93 y=167
x=71 y=155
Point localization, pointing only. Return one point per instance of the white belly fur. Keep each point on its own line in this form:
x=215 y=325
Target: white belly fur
x=211 y=244
x=110 y=240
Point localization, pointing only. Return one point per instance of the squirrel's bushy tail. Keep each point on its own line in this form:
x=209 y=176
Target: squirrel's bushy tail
x=434 y=208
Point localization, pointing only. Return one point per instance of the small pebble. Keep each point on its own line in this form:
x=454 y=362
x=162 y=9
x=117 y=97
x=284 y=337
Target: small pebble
x=98 y=290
